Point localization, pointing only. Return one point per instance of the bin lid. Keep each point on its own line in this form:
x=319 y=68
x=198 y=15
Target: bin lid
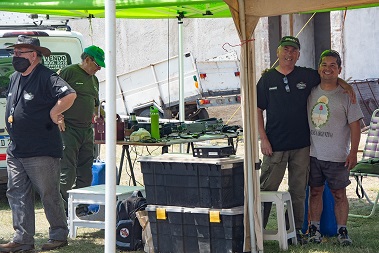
x=181 y=158
x=197 y=210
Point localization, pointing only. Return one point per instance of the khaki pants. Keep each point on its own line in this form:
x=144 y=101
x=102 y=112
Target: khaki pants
x=273 y=170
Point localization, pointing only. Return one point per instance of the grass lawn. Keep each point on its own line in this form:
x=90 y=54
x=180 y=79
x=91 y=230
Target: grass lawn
x=364 y=232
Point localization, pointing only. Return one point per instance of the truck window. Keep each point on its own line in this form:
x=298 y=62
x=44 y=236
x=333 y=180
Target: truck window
x=6 y=69
x=57 y=60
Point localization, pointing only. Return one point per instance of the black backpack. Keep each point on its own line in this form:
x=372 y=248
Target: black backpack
x=128 y=228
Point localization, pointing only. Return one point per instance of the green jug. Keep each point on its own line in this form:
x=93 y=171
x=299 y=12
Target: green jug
x=154 y=122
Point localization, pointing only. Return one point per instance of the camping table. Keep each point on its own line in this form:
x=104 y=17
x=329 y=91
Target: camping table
x=165 y=144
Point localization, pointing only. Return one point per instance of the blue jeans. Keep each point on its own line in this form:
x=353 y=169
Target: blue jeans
x=42 y=174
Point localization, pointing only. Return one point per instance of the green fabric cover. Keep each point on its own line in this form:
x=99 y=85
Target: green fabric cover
x=369 y=166
x=138 y=9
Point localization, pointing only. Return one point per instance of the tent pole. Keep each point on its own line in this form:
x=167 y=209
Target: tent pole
x=181 y=73
x=247 y=133
x=110 y=134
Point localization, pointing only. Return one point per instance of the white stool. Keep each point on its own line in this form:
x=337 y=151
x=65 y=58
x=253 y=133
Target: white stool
x=93 y=195
x=280 y=199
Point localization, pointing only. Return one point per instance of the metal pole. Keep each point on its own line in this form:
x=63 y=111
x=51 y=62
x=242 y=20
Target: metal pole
x=110 y=134
x=181 y=73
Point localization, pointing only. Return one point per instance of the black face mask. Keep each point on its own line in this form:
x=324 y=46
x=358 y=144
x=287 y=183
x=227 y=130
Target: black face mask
x=20 y=64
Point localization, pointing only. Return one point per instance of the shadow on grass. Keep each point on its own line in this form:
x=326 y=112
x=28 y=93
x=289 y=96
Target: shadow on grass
x=92 y=242
x=4 y=205
x=363 y=232
x=361 y=206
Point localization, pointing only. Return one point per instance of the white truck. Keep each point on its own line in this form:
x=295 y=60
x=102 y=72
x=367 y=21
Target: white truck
x=66 y=47
x=206 y=83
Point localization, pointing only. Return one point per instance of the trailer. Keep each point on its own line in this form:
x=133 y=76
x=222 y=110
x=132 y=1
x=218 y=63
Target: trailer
x=206 y=83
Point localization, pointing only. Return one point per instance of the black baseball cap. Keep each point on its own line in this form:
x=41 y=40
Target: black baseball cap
x=290 y=41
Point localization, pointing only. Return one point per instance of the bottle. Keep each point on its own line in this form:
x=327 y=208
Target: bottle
x=127 y=130
x=133 y=123
x=154 y=122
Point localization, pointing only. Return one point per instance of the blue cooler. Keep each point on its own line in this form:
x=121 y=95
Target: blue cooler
x=98 y=177
x=328 y=222
x=98 y=172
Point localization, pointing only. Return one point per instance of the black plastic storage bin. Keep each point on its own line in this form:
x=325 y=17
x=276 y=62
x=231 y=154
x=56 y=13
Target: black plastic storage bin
x=192 y=230
x=184 y=180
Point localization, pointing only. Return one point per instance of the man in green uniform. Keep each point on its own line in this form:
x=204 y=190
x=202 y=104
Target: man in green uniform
x=76 y=130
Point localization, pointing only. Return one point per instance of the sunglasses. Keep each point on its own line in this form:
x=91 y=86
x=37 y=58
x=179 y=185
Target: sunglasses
x=18 y=53
x=97 y=65
x=287 y=87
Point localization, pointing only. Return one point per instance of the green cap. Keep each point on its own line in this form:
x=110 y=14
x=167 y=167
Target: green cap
x=97 y=53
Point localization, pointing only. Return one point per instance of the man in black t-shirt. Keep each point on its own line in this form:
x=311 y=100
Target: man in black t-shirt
x=36 y=99
x=283 y=92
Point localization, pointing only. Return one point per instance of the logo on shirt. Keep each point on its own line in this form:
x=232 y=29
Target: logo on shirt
x=320 y=112
x=301 y=86
x=28 y=96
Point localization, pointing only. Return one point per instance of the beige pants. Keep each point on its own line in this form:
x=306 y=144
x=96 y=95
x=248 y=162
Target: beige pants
x=272 y=173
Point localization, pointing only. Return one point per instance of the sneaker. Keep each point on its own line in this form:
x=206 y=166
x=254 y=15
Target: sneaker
x=300 y=237
x=82 y=210
x=53 y=244
x=314 y=235
x=16 y=247
x=343 y=237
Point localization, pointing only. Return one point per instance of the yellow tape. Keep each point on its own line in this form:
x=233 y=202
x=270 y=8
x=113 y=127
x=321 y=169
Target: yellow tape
x=214 y=216
x=161 y=213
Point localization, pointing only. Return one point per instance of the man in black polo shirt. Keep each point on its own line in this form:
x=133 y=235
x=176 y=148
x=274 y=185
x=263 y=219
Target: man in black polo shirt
x=36 y=100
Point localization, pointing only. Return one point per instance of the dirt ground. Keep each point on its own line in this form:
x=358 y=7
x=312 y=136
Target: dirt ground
x=231 y=114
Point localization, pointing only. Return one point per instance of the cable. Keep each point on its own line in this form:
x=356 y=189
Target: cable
x=90 y=29
x=306 y=23
x=238 y=45
x=226 y=123
x=136 y=155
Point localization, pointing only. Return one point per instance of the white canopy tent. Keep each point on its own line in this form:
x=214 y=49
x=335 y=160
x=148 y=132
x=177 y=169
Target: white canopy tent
x=245 y=13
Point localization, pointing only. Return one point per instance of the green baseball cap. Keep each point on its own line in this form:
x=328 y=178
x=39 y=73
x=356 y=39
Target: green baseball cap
x=97 y=53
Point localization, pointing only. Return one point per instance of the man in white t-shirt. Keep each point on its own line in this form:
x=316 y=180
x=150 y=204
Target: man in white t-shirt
x=335 y=134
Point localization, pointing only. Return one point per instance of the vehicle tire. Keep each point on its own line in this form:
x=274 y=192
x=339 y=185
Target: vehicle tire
x=145 y=113
x=203 y=114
